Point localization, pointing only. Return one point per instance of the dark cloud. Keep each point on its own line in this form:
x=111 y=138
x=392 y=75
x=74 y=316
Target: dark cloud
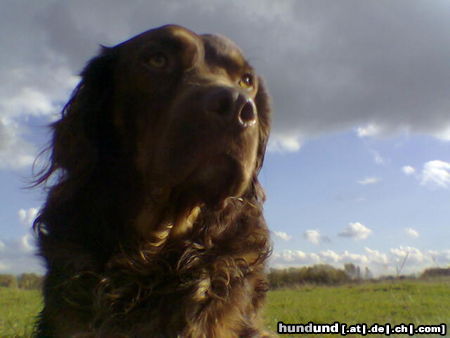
x=331 y=66
x=379 y=62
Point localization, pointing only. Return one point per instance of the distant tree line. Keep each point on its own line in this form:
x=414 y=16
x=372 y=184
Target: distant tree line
x=321 y=274
x=27 y=281
x=324 y=274
x=436 y=272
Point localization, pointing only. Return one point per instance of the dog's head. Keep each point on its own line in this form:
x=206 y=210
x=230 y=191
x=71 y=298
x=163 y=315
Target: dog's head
x=187 y=112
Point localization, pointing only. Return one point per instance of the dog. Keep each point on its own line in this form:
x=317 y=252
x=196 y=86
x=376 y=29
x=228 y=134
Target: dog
x=153 y=225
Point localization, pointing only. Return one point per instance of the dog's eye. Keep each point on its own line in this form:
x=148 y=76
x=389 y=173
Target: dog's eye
x=246 y=81
x=158 y=60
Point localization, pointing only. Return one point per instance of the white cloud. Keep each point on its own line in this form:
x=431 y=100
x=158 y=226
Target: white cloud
x=369 y=130
x=300 y=258
x=401 y=260
x=28 y=101
x=356 y=230
x=329 y=256
x=408 y=170
x=378 y=158
x=369 y=180
x=18 y=256
x=312 y=236
x=412 y=233
x=284 y=143
x=27 y=243
x=295 y=257
x=377 y=257
x=348 y=257
x=436 y=174
x=35 y=82
x=15 y=152
x=444 y=134
x=27 y=217
x=406 y=255
x=284 y=236
x=315 y=237
x=440 y=257
x=21 y=100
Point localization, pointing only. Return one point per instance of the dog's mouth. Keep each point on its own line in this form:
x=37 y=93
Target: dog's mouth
x=213 y=181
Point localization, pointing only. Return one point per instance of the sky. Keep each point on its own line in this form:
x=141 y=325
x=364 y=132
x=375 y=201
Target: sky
x=358 y=165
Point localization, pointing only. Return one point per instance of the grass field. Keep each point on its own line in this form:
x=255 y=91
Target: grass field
x=417 y=302
x=17 y=308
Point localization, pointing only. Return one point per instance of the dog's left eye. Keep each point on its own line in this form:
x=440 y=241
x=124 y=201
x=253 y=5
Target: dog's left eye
x=158 y=60
x=247 y=81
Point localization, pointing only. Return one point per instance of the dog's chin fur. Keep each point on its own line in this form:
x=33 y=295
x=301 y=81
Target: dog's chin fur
x=216 y=180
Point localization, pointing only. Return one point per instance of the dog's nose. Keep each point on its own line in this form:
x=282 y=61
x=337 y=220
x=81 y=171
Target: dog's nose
x=232 y=105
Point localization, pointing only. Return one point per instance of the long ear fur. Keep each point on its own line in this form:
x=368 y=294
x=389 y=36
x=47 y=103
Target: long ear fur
x=263 y=105
x=77 y=138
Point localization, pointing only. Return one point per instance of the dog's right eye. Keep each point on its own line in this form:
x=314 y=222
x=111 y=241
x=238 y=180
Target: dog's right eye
x=247 y=81
x=158 y=60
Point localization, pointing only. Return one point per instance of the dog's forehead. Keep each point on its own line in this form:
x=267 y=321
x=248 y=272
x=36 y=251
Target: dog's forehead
x=163 y=33
x=220 y=49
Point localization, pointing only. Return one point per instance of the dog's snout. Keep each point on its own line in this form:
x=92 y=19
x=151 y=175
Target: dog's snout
x=247 y=113
x=231 y=105
x=221 y=101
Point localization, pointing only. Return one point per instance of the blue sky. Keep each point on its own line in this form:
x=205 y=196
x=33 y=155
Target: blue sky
x=358 y=168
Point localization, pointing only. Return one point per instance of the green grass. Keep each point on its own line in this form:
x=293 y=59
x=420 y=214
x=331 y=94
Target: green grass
x=417 y=302
x=17 y=311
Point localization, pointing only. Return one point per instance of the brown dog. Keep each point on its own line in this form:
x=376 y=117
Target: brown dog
x=153 y=226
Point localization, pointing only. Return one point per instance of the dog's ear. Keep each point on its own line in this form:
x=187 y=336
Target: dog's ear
x=263 y=105
x=78 y=135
